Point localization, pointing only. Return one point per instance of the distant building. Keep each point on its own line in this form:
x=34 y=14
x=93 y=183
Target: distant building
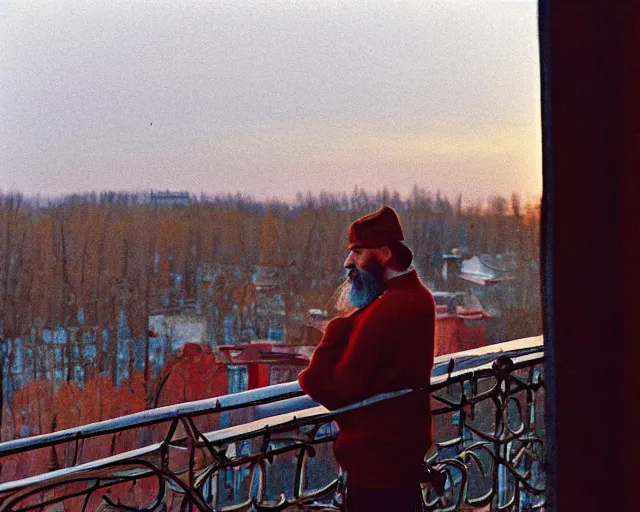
x=269 y=303
x=255 y=365
x=316 y=314
x=274 y=334
x=261 y=363
x=171 y=198
x=179 y=328
x=461 y=322
x=450 y=261
x=497 y=283
x=317 y=320
x=485 y=270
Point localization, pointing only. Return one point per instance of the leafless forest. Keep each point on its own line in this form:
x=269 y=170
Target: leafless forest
x=93 y=265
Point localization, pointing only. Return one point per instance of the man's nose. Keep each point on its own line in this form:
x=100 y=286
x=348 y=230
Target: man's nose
x=350 y=261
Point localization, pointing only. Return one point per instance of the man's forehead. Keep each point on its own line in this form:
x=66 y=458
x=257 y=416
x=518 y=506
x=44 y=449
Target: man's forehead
x=362 y=248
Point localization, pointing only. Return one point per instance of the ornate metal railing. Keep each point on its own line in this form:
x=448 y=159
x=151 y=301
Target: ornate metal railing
x=487 y=407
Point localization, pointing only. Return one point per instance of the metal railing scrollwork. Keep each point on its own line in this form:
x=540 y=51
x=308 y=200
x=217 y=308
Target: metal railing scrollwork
x=488 y=455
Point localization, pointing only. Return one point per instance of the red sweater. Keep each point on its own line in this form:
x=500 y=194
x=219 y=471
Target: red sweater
x=385 y=346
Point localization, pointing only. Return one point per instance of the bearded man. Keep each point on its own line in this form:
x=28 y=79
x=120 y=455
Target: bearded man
x=386 y=343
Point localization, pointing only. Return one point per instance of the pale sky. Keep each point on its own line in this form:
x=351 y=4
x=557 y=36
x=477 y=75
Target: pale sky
x=270 y=97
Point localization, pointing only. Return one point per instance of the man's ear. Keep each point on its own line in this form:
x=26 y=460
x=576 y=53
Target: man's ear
x=385 y=255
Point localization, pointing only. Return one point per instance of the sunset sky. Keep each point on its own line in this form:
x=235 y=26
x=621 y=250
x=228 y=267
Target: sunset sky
x=270 y=97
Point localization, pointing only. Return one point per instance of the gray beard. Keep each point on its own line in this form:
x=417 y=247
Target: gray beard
x=366 y=288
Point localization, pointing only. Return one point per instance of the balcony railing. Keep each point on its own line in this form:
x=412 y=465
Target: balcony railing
x=488 y=415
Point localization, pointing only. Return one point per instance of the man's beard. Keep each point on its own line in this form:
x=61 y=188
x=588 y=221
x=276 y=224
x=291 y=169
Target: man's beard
x=366 y=286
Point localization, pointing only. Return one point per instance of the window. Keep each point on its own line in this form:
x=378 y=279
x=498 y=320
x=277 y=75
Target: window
x=238 y=378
